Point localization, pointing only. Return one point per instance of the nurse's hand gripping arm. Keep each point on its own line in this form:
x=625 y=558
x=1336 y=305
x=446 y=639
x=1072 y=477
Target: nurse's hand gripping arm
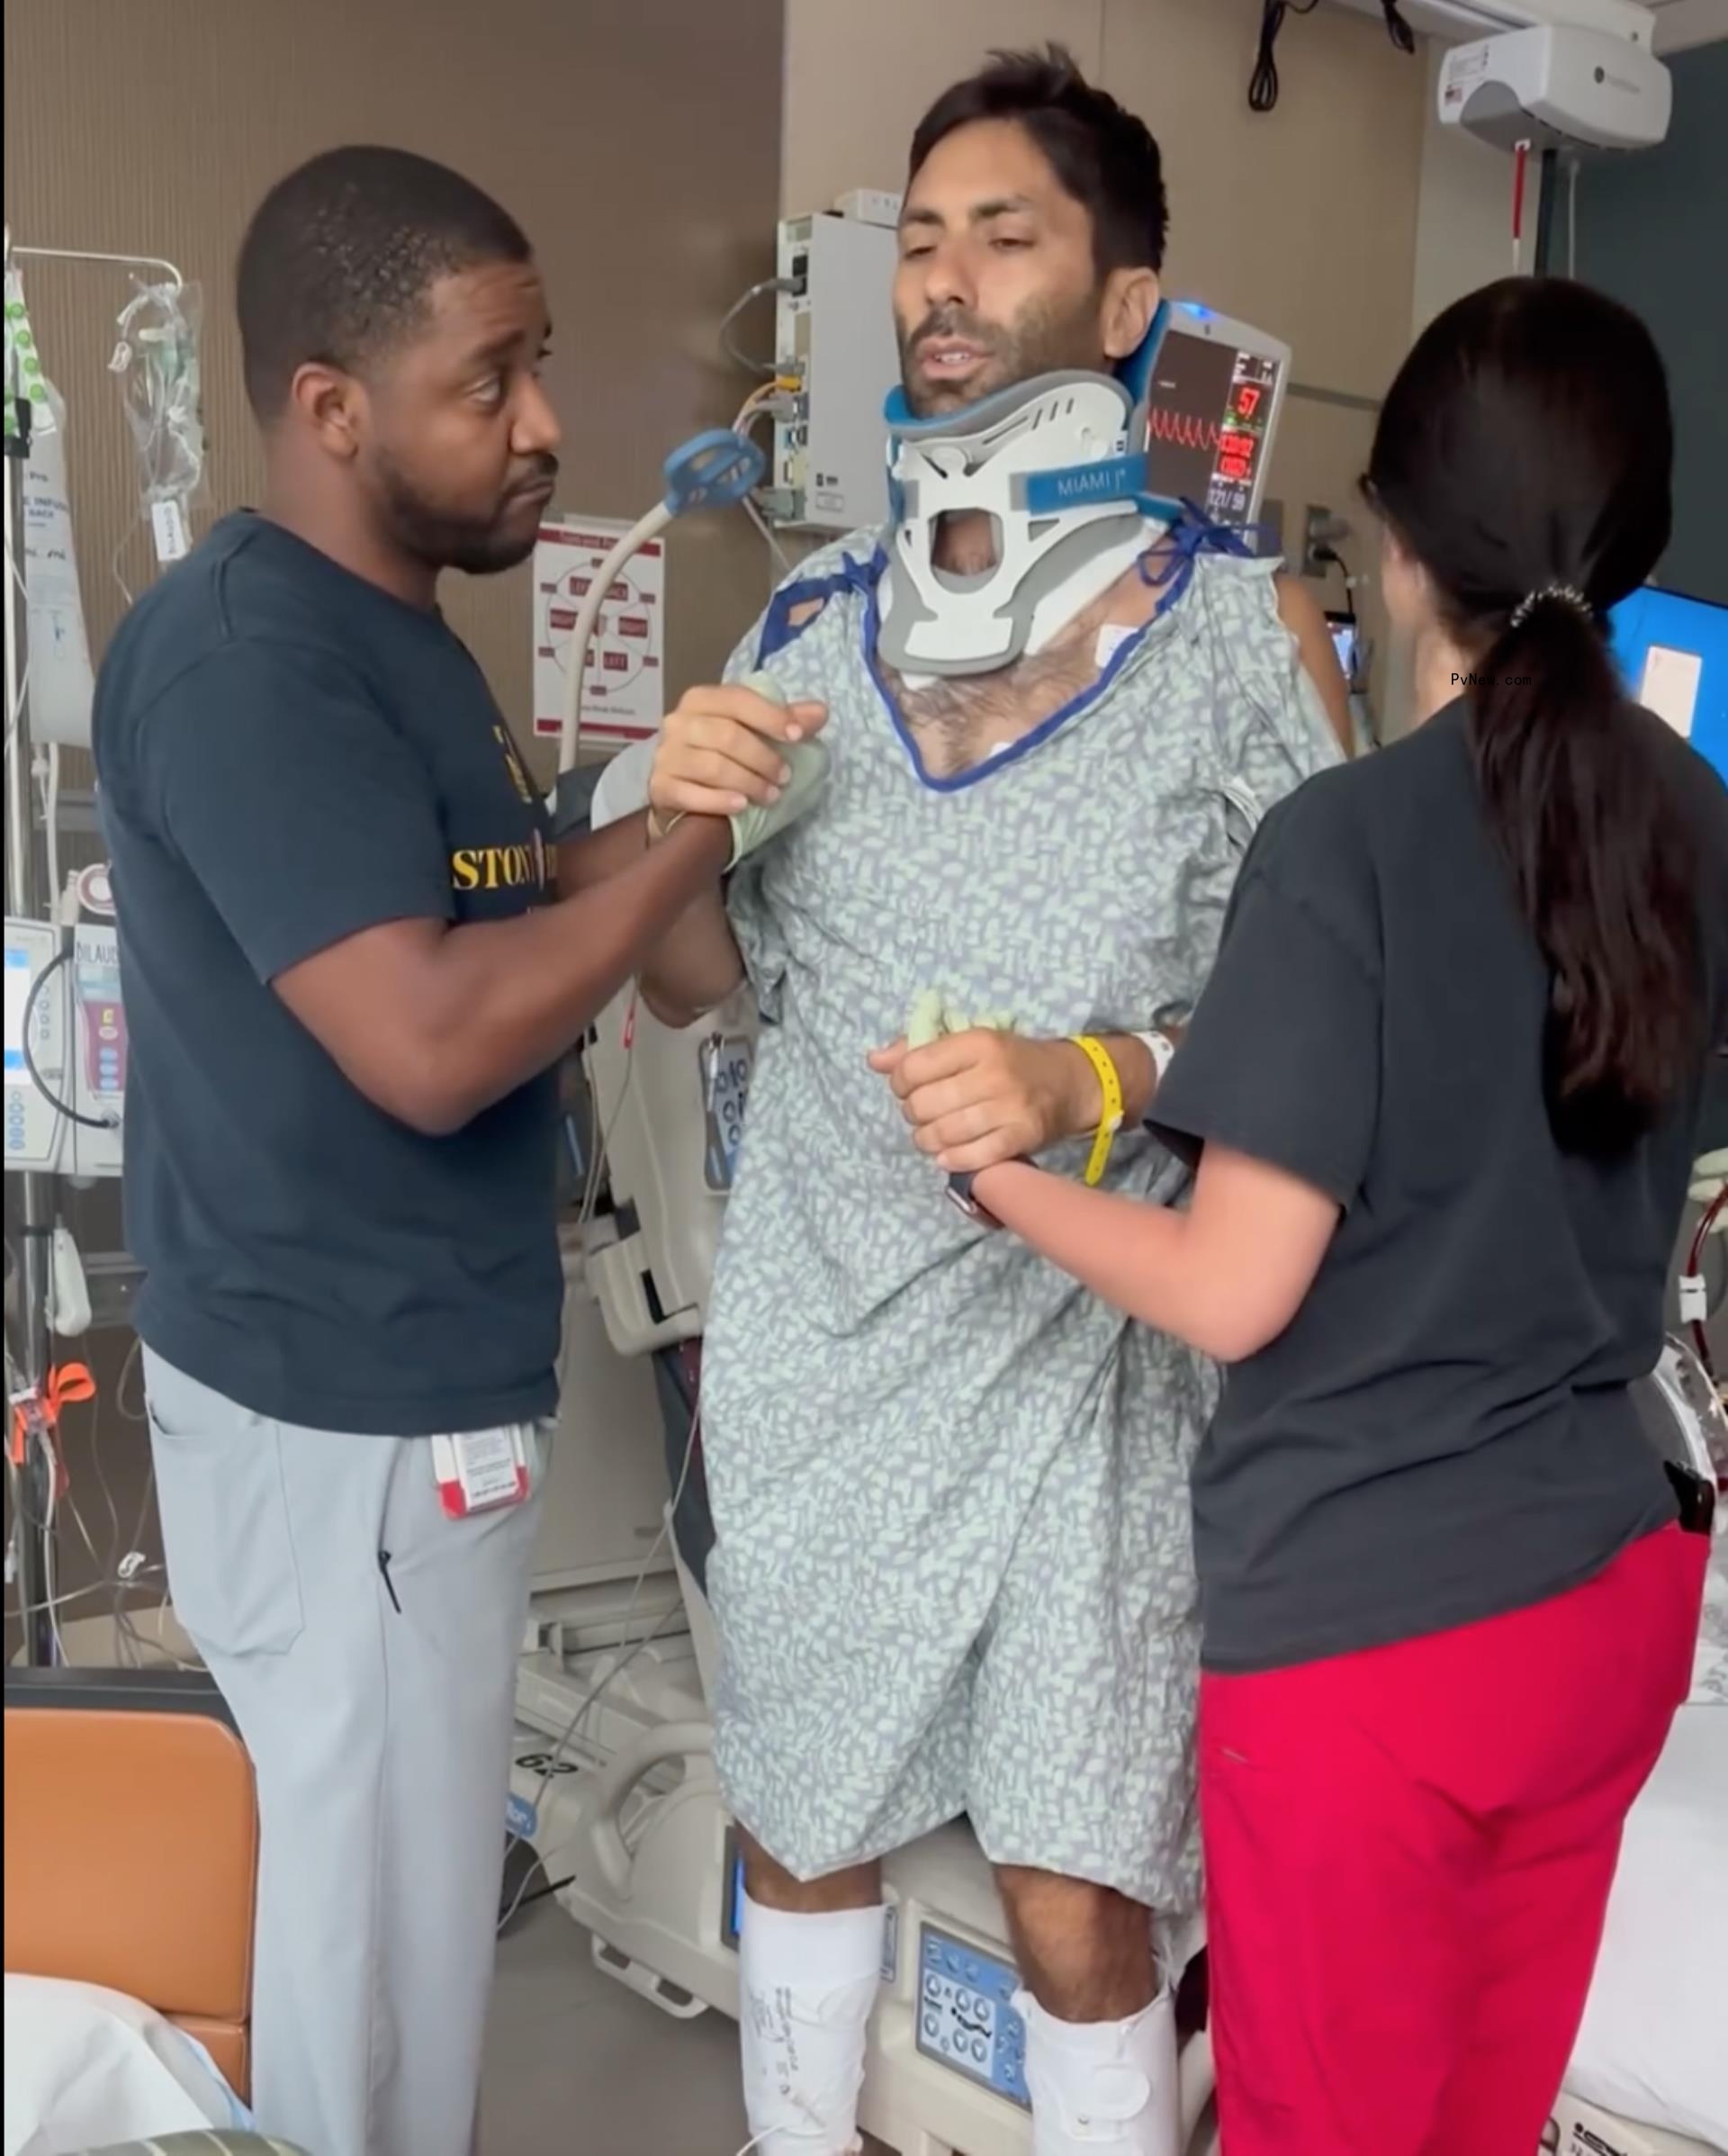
x=976 y=1098
x=1228 y=1276
x=1275 y=1089
x=721 y=754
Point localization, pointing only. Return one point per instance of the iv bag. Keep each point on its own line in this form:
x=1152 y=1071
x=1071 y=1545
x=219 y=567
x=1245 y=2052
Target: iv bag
x=155 y=363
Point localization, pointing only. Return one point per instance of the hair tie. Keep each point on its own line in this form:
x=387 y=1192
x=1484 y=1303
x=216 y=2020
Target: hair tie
x=1565 y=595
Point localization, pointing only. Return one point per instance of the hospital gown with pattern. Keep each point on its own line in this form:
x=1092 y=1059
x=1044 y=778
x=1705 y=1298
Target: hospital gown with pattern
x=953 y=1573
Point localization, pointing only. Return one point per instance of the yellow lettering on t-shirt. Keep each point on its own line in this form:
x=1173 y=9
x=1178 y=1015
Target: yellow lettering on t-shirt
x=500 y=867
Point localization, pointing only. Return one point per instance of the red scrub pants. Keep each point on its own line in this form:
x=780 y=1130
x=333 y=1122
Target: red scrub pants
x=1408 y=1855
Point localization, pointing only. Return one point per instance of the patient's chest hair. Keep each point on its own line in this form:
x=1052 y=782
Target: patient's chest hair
x=960 y=721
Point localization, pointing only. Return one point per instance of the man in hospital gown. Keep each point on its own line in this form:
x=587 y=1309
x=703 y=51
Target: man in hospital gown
x=952 y=1573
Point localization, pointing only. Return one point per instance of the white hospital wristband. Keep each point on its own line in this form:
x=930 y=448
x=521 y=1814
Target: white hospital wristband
x=1162 y=1050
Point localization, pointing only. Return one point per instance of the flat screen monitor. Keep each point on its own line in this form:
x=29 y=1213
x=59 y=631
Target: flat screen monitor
x=1672 y=652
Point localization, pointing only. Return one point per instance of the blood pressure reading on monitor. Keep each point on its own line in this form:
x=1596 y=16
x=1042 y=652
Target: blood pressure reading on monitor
x=1210 y=406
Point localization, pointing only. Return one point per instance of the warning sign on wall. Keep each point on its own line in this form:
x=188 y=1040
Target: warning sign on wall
x=623 y=699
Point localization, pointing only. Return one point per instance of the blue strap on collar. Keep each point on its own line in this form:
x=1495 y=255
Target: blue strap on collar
x=1193 y=534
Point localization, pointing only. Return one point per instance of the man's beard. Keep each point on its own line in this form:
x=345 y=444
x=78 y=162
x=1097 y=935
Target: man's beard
x=1043 y=339
x=444 y=539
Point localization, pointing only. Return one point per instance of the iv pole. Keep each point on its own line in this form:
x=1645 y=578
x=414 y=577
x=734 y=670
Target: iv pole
x=27 y=900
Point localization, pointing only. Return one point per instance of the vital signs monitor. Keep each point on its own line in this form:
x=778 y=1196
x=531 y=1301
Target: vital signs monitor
x=1217 y=387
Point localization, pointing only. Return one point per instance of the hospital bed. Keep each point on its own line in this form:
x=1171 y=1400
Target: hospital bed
x=130 y=1869
x=1650 y=2074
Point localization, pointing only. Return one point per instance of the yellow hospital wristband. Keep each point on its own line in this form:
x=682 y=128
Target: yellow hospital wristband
x=1110 y=1122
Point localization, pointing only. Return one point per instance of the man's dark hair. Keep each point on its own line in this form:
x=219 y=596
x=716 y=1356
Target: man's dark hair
x=336 y=265
x=1105 y=157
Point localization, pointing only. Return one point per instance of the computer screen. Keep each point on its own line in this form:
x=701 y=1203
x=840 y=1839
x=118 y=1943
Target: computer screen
x=19 y=973
x=1213 y=399
x=1672 y=652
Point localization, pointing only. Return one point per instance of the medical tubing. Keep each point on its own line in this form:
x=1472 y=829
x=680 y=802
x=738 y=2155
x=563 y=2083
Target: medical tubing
x=581 y=636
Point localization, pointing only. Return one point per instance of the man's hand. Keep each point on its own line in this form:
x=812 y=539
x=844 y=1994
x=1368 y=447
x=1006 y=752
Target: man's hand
x=720 y=752
x=977 y=1099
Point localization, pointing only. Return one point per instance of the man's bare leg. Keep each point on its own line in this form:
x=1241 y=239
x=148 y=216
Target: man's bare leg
x=1085 y=1952
x=1101 y=2047
x=810 y=1965
x=770 y=1886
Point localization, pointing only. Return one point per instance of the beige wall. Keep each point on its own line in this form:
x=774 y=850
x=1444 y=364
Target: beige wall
x=1302 y=220
x=1464 y=229
x=858 y=78
x=637 y=140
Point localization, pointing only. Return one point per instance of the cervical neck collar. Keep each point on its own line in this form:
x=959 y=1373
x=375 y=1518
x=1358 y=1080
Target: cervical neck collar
x=1058 y=466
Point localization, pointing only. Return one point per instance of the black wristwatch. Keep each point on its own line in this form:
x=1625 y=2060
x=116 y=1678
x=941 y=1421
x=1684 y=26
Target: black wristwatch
x=959 y=1196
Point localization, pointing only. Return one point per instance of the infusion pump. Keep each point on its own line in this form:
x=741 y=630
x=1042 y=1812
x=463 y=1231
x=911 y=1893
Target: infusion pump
x=66 y=1039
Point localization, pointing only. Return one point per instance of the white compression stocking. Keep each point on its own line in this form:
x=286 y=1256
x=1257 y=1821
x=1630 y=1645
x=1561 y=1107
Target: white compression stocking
x=1104 y=2085
x=807 y=1985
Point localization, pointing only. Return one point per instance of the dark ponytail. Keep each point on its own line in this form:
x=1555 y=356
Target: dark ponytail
x=1523 y=459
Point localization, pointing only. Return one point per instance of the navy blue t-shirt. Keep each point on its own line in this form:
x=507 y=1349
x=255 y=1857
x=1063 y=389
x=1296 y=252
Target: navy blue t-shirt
x=286 y=756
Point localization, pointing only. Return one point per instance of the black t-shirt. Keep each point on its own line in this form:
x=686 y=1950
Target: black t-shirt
x=287 y=755
x=1444 y=1431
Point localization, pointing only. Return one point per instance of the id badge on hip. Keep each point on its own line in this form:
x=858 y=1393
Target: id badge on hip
x=481 y=1471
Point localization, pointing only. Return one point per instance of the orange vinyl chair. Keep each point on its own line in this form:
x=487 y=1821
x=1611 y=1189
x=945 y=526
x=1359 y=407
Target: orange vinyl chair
x=132 y=1847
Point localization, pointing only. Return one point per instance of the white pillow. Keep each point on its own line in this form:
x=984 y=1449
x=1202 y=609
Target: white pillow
x=87 y=2067
x=1651 y=2048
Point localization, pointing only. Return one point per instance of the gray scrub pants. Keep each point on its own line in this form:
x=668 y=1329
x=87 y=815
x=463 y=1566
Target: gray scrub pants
x=366 y=1645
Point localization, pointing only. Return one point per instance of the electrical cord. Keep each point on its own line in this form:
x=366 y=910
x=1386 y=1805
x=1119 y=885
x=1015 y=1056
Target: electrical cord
x=127 y=1567
x=756 y=2140
x=115 y=1572
x=1397 y=28
x=1333 y=559
x=776 y=550
x=50 y=1564
x=522 y=1899
x=1262 y=85
x=728 y=343
x=542 y=1893
x=757 y=406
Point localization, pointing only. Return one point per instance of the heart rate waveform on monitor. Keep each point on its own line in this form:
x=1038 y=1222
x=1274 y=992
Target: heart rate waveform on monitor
x=1184 y=429
x=1209 y=407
